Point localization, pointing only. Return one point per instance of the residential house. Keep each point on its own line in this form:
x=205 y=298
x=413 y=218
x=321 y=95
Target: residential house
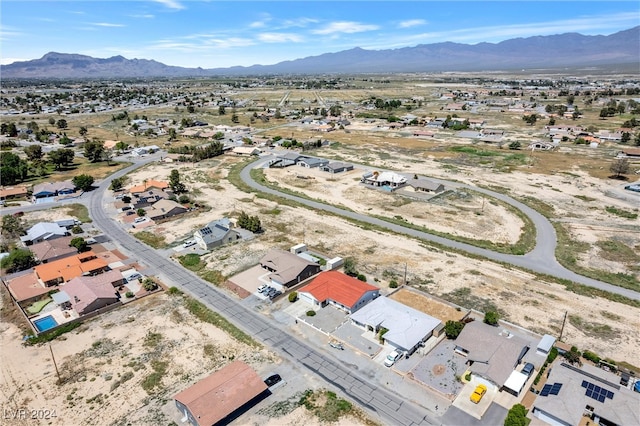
x=585 y=395
x=144 y=199
x=11 y=192
x=629 y=153
x=43 y=231
x=285 y=160
x=388 y=179
x=493 y=353
x=421 y=184
x=63 y=270
x=437 y=122
x=542 y=146
x=246 y=150
x=89 y=293
x=147 y=185
x=311 y=162
x=53 y=249
x=423 y=133
x=164 y=209
x=218 y=396
x=215 y=234
x=336 y=167
x=286 y=269
x=48 y=191
x=340 y=290
x=407 y=328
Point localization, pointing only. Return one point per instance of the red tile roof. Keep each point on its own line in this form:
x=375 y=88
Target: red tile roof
x=215 y=397
x=27 y=286
x=70 y=267
x=336 y=286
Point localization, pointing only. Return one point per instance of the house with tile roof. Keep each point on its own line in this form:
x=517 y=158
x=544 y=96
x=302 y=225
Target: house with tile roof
x=149 y=184
x=164 y=209
x=63 y=270
x=10 y=192
x=53 y=249
x=337 y=289
x=87 y=294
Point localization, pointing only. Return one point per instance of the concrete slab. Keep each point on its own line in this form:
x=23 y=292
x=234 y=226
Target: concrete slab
x=354 y=337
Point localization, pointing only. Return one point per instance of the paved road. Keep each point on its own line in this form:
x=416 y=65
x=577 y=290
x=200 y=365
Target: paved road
x=391 y=408
x=541 y=259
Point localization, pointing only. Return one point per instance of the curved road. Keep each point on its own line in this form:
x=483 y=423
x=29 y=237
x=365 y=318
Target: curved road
x=391 y=408
x=541 y=259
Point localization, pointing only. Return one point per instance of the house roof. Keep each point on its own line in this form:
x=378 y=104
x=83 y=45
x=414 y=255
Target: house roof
x=70 y=267
x=53 y=187
x=335 y=165
x=149 y=184
x=391 y=177
x=287 y=266
x=546 y=343
x=313 y=161
x=26 y=286
x=495 y=352
x=12 y=191
x=83 y=291
x=220 y=394
x=336 y=286
x=215 y=231
x=58 y=247
x=407 y=326
x=424 y=184
x=568 y=405
x=44 y=230
x=164 y=207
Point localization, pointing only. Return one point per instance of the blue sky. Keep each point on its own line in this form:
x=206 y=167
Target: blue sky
x=212 y=34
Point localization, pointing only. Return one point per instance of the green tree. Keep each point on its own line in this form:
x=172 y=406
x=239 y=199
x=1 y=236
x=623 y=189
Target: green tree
x=172 y=134
x=121 y=146
x=515 y=145
x=18 y=260
x=79 y=243
x=452 y=329
x=117 y=183
x=517 y=416
x=221 y=110
x=93 y=150
x=149 y=284
x=349 y=267
x=61 y=124
x=83 y=182
x=52 y=121
x=9 y=129
x=34 y=152
x=83 y=131
x=491 y=318
x=61 y=157
x=12 y=227
x=619 y=167
x=13 y=169
x=141 y=212
x=293 y=296
x=174 y=182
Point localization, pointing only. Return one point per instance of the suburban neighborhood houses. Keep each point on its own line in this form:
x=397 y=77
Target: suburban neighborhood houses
x=421 y=249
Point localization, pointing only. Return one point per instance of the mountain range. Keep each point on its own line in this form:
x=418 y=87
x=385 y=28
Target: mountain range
x=538 y=52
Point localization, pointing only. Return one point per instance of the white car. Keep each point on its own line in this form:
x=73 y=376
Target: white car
x=140 y=220
x=261 y=288
x=188 y=244
x=392 y=358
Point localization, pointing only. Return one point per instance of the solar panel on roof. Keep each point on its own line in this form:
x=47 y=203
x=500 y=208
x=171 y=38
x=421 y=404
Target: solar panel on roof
x=545 y=390
x=584 y=383
x=590 y=386
x=589 y=393
x=555 y=388
x=594 y=391
x=601 y=398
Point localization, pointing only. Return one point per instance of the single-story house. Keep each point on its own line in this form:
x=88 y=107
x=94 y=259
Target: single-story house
x=149 y=184
x=423 y=133
x=146 y=198
x=390 y=179
x=493 y=353
x=219 y=395
x=164 y=209
x=26 y=288
x=542 y=146
x=571 y=393
x=246 y=150
x=425 y=185
x=285 y=160
x=311 y=162
x=215 y=234
x=52 y=189
x=337 y=289
x=53 y=249
x=629 y=152
x=86 y=294
x=336 y=167
x=407 y=328
x=10 y=192
x=63 y=270
x=287 y=269
x=43 y=231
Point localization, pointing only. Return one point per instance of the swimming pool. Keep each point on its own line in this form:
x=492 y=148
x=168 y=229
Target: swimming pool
x=45 y=323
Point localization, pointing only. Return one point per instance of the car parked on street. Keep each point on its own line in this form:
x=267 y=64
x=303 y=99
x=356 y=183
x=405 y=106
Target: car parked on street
x=188 y=244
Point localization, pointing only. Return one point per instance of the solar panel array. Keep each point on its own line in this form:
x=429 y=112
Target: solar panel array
x=596 y=392
x=551 y=389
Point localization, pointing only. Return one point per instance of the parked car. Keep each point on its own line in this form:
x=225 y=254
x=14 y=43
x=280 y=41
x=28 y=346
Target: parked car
x=133 y=277
x=478 y=393
x=262 y=288
x=272 y=380
x=528 y=369
x=392 y=358
x=188 y=244
x=275 y=294
x=140 y=220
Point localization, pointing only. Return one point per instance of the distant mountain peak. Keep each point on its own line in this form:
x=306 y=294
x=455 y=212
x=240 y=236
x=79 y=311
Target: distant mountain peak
x=554 y=51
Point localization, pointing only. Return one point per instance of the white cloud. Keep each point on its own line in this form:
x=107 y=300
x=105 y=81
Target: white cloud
x=171 y=4
x=8 y=33
x=107 y=25
x=279 y=38
x=412 y=23
x=7 y=61
x=262 y=22
x=345 y=27
x=298 y=22
x=143 y=16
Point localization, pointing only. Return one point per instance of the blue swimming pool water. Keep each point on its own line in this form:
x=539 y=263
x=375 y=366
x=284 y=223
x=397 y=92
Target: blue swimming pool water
x=46 y=323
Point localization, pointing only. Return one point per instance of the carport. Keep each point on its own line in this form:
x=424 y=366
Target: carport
x=515 y=383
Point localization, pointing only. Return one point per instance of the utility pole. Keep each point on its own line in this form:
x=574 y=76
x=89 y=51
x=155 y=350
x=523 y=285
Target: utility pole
x=564 y=320
x=54 y=364
x=405 y=273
